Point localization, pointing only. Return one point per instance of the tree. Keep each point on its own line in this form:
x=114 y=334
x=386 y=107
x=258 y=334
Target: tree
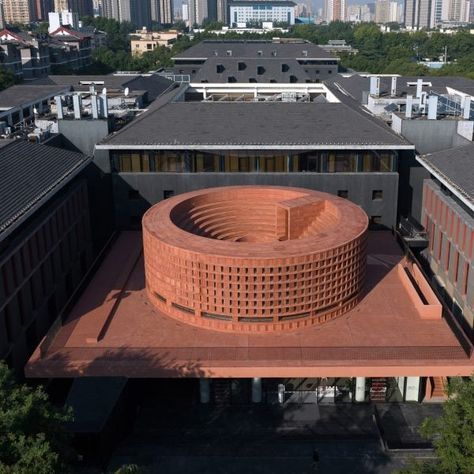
x=7 y=78
x=32 y=436
x=452 y=434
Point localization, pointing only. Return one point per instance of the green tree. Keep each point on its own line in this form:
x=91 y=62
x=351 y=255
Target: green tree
x=7 y=78
x=452 y=434
x=32 y=435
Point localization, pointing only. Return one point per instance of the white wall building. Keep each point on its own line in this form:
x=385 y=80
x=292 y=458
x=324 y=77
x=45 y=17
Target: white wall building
x=242 y=12
x=65 y=17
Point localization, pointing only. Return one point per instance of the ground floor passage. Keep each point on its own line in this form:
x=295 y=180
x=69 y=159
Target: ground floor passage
x=321 y=390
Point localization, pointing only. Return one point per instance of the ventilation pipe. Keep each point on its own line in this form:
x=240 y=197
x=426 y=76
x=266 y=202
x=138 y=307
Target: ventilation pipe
x=409 y=106
x=59 y=107
x=393 y=88
x=104 y=106
x=466 y=108
x=419 y=87
x=375 y=86
x=95 y=107
x=432 y=107
x=76 y=104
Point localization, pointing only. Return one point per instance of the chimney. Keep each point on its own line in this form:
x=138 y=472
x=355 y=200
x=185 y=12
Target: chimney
x=466 y=108
x=95 y=107
x=375 y=86
x=59 y=107
x=409 y=106
x=104 y=106
x=419 y=87
x=432 y=107
x=393 y=88
x=91 y=89
x=76 y=104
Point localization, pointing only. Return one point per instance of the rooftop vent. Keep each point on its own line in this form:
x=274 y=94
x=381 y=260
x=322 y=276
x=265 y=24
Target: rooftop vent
x=259 y=53
x=229 y=52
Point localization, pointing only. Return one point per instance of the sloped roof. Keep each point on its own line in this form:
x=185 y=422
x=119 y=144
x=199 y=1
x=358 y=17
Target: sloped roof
x=254 y=49
x=30 y=174
x=456 y=166
x=261 y=124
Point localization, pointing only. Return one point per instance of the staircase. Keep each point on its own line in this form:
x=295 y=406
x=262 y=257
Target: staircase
x=378 y=389
x=439 y=387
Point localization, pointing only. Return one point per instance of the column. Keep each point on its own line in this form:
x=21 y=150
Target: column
x=360 y=389
x=256 y=390
x=204 y=390
x=412 y=389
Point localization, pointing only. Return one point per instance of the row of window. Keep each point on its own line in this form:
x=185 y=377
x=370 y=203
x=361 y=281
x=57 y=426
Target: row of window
x=197 y=162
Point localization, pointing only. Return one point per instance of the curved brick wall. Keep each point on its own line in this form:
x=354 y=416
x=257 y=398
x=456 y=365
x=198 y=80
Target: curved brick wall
x=255 y=258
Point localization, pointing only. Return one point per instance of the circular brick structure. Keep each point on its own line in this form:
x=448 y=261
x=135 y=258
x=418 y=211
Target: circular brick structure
x=255 y=258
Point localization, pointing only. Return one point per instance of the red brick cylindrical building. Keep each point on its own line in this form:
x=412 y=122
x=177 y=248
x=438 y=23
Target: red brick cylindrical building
x=255 y=258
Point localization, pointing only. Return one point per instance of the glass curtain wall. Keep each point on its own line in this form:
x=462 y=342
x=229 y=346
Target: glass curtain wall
x=345 y=161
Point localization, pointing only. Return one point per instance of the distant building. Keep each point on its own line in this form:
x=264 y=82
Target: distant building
x=334 y=10
x=253 y=11
x=198 y=11
x=19 y=11
x=138 y=12
x=144 y=40
x=32 y=53
x=81 y=7
x=64 y=18
x=276 y=61
x=70 y=48
x=43 y=7
x=418 y=14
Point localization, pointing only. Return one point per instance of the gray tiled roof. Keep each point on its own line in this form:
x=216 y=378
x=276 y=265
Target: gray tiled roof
x=456 y=166
x=29 y=175
x=16 y=96
x=279 y=124
x=153 y=84
x=272 y=70
x=356 y=85
x=250 y=49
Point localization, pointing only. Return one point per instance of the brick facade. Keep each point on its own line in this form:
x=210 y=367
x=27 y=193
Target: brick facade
x=255 y=258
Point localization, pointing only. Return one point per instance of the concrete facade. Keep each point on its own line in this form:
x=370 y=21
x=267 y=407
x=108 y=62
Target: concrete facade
x=134 y=193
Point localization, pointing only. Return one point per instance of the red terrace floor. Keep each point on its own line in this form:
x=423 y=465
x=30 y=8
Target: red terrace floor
x=114 y=331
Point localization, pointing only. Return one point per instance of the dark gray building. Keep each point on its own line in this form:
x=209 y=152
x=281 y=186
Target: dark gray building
x=201 y=136
x=47 y=243
x=256 y=61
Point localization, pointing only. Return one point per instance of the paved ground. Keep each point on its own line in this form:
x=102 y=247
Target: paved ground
x=266 y=439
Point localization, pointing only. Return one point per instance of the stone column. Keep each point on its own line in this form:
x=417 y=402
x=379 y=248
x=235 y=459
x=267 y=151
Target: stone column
x=256 y=390
x=204 y=390
x=360 y=389
x=412 y=389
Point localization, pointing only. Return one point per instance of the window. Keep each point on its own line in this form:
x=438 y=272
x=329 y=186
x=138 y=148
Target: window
x=242 y=66
x=167 y=193
x=231 y=79
x=260 y=70
x=285 y=68
x=220 y=69
x=343 y=193
x=375 y=222
x=342 y=163
x=377 y=195
x=133 y=194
